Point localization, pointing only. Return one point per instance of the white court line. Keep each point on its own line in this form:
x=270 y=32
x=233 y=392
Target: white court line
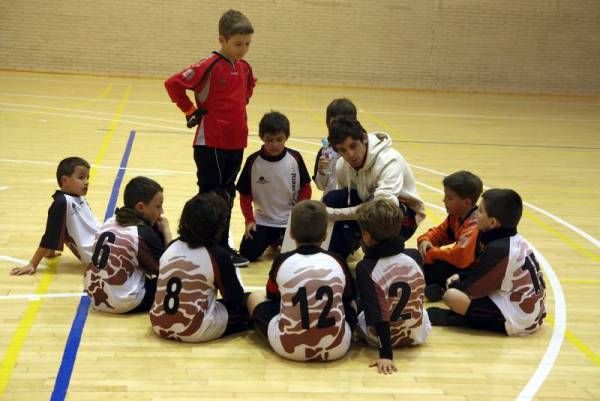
x=577 y=230
x=36 y=297
x=558 y=333
x=3 y=188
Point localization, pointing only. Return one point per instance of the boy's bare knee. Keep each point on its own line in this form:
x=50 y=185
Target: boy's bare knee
x=254 y=299
x=457 y=300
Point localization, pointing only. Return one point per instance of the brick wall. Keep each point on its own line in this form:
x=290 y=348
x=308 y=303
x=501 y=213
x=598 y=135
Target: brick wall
x=533 y=46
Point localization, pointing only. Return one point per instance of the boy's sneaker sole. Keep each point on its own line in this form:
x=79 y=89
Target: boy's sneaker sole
x=238 y=260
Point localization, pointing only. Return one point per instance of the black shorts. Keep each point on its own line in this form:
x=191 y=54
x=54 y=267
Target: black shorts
x=483 y=314
x=262 y=315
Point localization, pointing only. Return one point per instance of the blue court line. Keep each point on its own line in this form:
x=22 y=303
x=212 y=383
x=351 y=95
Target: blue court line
x=63 y=378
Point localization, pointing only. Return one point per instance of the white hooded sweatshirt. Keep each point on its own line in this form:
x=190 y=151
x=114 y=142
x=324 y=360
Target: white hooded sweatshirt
x=385 y=173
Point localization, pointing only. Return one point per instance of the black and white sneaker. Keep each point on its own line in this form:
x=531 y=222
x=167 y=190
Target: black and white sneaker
x=237 y=259
x=434 y=292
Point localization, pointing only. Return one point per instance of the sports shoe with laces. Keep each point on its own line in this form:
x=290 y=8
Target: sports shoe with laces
x=237 y=259
x=445 y=317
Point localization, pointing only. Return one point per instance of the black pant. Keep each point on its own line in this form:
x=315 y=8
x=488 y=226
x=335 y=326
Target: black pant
x=264 y=236
x=439 y=271
x=345 y=237
x=217 y=169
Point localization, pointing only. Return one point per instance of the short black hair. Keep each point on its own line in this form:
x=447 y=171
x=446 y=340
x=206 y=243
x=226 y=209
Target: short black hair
x=466 y=185
x=203 y=220
x=339 y=107
x=233 y=22
x=274 y=122
x=342 y=127
x=67 y=167
x=505 y=205
x=309 y=222
x=140 y=189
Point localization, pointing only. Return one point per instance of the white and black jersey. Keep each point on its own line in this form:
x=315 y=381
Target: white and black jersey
x=315 y=291
x=70 y=222
x=123 y=255
x=185 y=306
x=274 y=184
x=391 y=291
x=508 y=273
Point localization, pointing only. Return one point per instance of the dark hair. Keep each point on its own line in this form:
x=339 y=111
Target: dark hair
x=339 y=107
x=203 y=220
x=140 y=189
x=381 y=218
x=466 y=185
x=67 y=167
x=342 y=127
x=274 y=122
x=233 y=22
x=309 y=222
x=505 y=205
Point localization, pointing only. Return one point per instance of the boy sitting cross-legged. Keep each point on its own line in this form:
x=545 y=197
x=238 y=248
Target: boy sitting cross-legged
x=309 y=309
x=121 y=278
x=390 y=284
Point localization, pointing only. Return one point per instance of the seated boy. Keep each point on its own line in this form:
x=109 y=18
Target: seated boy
x=191 y=271
x=70 y=220
x=310 y=295
x=506 y=291
x=461 y=192
x=128 y=247
x=274 y=179
x=324 y=170
x=390 y=284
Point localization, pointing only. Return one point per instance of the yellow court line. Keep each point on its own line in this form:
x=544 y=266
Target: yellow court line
x=111 y=129
x=573 y=244
x=17 y=341
x=580 y=345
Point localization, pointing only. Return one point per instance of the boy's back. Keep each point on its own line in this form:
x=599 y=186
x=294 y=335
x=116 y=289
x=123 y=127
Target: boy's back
x=71 y=221
x=312 y=287
x=391 y=287
x=115 y=277
x=509 y=274
x=185 y=307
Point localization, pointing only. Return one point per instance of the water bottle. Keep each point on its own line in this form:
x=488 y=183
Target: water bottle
x=326 y=153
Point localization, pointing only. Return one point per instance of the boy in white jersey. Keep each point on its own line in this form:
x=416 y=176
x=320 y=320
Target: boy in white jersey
x=309 y=311
x=274 y=179
x=191 y=271
x=505 y=292
x=390 y=284
x=121 y=278
x=70 y=220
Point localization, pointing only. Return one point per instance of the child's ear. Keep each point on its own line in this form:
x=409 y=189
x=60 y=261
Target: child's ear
x=495 y=223
x=222 y=39
x=139 y=206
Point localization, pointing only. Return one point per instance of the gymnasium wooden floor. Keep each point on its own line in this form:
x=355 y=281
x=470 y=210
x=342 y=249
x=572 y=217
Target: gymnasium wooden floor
x=546 y=148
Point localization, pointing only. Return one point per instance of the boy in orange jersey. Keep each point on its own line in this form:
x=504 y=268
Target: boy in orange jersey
x=459 y=229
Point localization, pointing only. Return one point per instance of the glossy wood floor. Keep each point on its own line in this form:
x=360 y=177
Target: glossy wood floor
x=546 y=148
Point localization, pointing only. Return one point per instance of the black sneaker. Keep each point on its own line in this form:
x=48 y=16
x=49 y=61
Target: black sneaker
x=434 y=292
x=445 y=317
x=237 y=259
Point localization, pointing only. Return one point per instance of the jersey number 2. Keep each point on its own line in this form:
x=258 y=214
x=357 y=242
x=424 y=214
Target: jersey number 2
x=393 y=292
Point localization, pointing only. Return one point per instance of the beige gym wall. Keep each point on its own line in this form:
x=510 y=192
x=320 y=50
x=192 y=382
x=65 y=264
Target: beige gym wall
x=523 y=46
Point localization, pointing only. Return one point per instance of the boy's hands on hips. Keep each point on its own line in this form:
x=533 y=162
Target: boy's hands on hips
x=195 y=118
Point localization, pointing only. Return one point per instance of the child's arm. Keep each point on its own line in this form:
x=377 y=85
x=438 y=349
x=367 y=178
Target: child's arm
x=244 y=187
x=189 y=79
x=226 y=279
x=248 y=212
x=486 y=277
x=31 y=267
x=322 y=165
x=369 y=299
x=462 y=253
x=162 y=224
x=434 y=237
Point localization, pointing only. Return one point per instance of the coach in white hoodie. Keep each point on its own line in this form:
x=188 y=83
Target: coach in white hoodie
x=369 y=168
